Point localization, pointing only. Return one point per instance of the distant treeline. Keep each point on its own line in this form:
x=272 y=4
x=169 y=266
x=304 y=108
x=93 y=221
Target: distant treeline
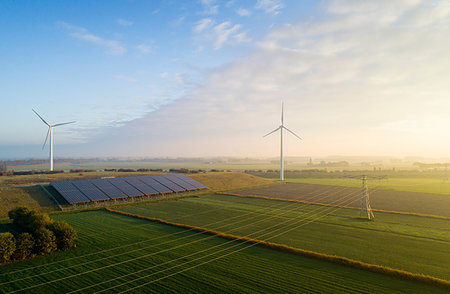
x=325 y=173
x=432 y=165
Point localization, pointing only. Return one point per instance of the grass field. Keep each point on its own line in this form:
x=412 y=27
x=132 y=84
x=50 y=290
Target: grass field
x=411 y=202
x=131 y=249
x=421 y=185
x=412 y=243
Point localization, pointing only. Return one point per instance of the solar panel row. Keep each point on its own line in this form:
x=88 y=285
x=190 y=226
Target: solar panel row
x=82 y=191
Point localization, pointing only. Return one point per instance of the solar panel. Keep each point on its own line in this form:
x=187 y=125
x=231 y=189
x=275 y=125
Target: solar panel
x=154 y=184
x=190 y=181
x=125 y=187
x=180 y=183
x=109 y=189
x=69 y=192
x=141 y=186
x=91 y=191
x=169 y=184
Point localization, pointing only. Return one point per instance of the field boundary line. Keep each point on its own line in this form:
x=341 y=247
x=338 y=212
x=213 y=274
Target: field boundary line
x=430 y=280
x=340 y=206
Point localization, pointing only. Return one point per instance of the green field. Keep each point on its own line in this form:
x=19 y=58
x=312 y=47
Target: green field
x=421 y=185
x=114 y=250
x=412 y=243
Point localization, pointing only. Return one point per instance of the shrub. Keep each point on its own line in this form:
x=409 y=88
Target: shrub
x=24 y=246
x=7 y=246
x=45 y=241
x=18 y=215
x=64 y=233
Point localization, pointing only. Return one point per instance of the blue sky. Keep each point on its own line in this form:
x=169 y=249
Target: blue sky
x=193 y=78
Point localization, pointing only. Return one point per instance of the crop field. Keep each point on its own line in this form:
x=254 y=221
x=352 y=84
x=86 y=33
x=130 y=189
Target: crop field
x=118 y=254
x=424 y=203
x=419 y=185
x=407 y=242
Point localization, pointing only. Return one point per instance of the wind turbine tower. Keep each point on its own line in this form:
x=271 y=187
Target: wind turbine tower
x=50 y=132
x=281 y=127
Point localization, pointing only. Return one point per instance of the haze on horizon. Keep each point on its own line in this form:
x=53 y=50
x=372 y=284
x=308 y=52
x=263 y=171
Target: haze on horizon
x=207 y=78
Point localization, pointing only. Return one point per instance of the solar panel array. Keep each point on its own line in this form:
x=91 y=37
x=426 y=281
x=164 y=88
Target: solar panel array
x=83 y=191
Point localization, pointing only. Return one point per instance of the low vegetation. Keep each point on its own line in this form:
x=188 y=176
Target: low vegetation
x=36 y=234
x=220 y=181
x=119 y=253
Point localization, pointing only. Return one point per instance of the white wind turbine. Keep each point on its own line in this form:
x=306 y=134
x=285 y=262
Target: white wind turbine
x=281 y=127
x=50 y=132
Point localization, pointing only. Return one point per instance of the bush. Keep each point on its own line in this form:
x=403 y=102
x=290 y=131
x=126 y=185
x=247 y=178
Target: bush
x=24 y=246
x=7 y=246
x=18 y=215
x=29 y=220
x=45 y=241
x=64 y=233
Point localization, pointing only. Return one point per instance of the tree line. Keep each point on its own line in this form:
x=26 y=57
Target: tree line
x=35 y=233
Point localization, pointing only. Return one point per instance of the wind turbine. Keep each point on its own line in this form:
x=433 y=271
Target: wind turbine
x=281 y=127
x=50 y=132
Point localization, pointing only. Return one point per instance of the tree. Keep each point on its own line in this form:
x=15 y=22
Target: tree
x=44 y=241
x=7 y=246
x=64 y=233
x=29 y=220
x=24 y=246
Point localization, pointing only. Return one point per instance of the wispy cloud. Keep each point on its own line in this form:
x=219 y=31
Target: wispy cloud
x=270 y=6
x=124 y=22
x=210 y=7
x=354 y=83
x=113 y=47
x=220 y=34
x=203 y=24
x=243 y=12
x=143 y=49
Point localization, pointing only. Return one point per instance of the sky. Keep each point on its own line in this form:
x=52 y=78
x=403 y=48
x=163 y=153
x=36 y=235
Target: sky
x=207 y=78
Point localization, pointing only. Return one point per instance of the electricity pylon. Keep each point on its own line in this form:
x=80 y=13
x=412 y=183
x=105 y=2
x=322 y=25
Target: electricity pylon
x=364 y=205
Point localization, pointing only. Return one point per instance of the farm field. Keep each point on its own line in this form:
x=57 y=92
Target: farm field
x=412 y=243
x=424 y=203
x=419 y=185
x=113 y=251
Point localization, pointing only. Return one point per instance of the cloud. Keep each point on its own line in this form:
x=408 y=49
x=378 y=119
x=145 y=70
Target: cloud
x=354 y=83
x=113 y=47
x=220 y=34
x=243 y=12
x=144 y=49
x=123 y=22
x=163 y=74
x=203 y=24
x=270 y=6
x=209 y=8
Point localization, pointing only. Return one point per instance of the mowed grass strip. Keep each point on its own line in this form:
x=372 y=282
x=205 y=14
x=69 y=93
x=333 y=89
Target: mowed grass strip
x=254 y=269
x=406 y=242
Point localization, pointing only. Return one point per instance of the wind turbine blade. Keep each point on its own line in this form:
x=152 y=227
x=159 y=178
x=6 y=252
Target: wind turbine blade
x=292 y=132
x=282 y=104
x=48 y=133
x=272 y=131
x=40 y=117
x=71 y=122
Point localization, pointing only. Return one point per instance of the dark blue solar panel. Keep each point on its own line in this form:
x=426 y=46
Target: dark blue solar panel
x=141 y=186
x=109 y=189
x=125 y=187
x=154 y=184
x=91 y=191
x=190 y=181
x=169 y=184
x=180 y=183
x=69 y=192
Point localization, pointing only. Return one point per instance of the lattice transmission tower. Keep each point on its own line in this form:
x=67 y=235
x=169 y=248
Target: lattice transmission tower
x=364 y=205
